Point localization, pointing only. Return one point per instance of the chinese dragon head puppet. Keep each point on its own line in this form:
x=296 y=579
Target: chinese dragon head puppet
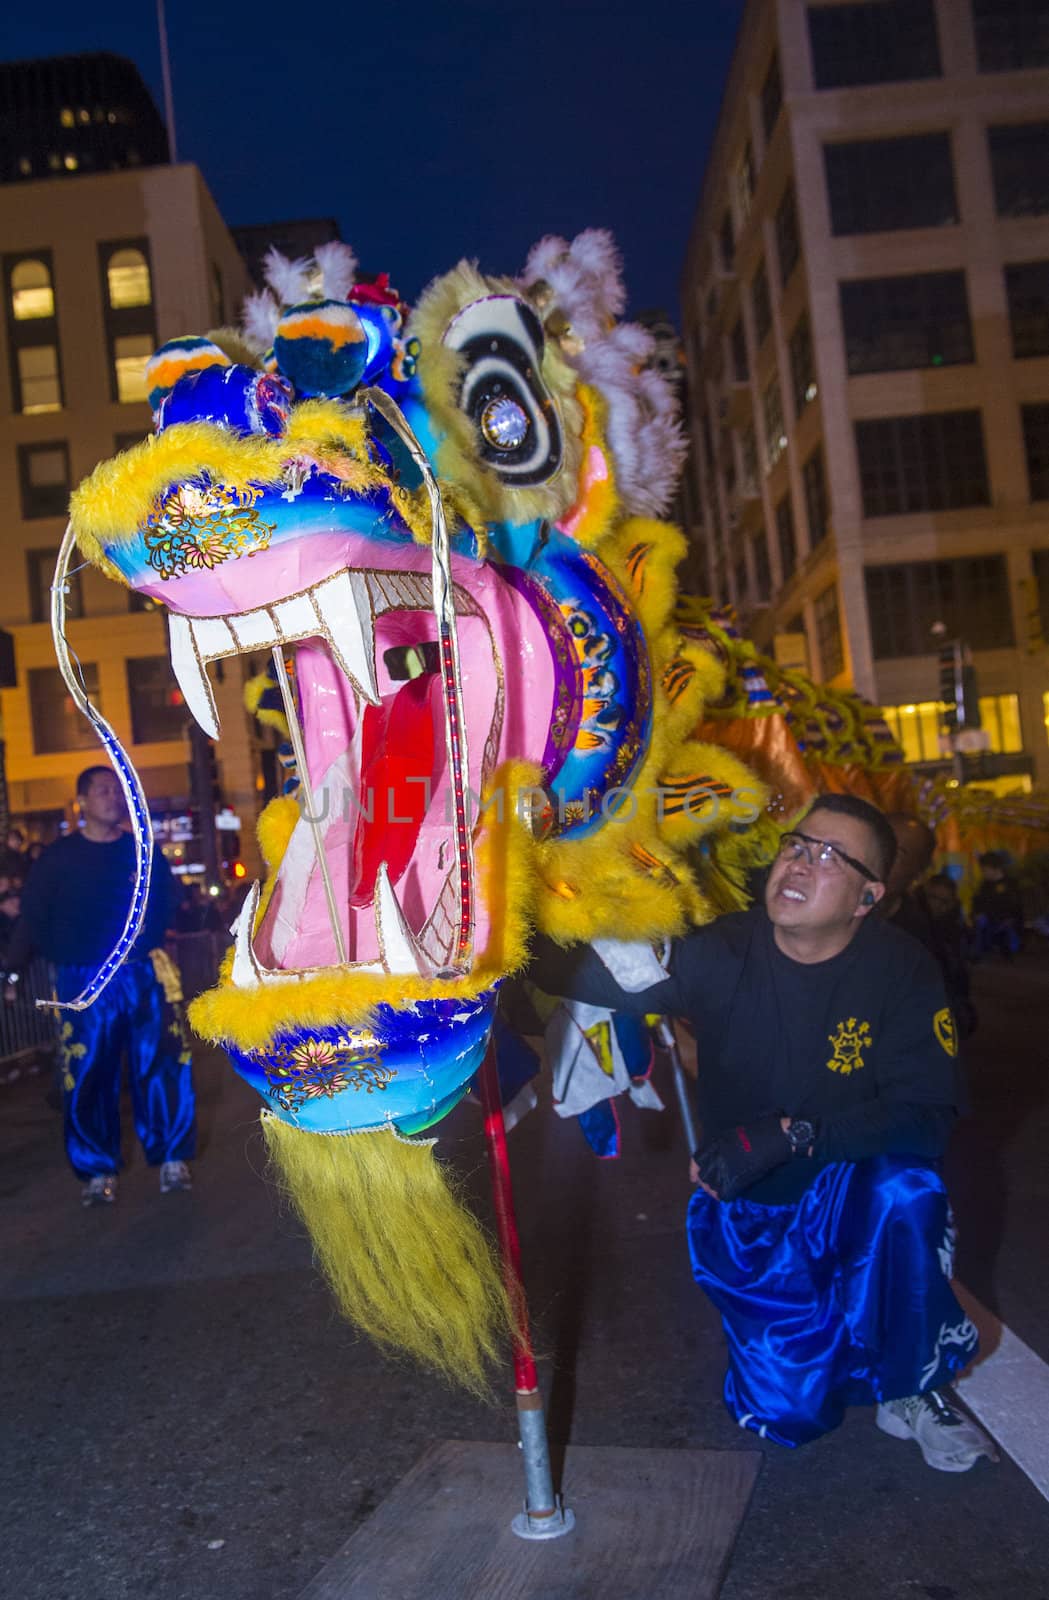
x=441 y=529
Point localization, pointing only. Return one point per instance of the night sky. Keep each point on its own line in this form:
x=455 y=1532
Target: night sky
x=458 y=127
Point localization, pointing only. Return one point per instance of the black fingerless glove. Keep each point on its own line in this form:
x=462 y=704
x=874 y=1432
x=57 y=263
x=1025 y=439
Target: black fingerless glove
x=738 y=1158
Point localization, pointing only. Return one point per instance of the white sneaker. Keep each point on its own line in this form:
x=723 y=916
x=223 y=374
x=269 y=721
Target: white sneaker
x=948 y=1439
x=174 y=1175
x=100 y=1190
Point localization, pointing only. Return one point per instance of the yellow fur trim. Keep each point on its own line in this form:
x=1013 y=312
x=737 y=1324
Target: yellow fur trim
x=507 y=880
x=592 y=515
x=408 y=1264
x=440 y=369
x=115 y=500
x=644 y=554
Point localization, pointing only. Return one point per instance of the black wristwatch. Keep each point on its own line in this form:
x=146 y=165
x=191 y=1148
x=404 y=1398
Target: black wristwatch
x=801 y=1135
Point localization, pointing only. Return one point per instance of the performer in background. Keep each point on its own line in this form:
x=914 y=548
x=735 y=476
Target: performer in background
x=820 y=1227
x=74 y=906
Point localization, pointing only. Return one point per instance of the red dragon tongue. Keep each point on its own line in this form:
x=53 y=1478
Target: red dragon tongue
x=397 y=770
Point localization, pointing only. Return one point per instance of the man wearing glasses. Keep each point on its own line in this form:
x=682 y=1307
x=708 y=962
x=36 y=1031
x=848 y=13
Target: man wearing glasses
x=827 y=1089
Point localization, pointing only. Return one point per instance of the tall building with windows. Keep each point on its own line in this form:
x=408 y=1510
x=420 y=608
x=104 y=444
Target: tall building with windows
x=65 y=115
x=95 y=273
x=866 y=318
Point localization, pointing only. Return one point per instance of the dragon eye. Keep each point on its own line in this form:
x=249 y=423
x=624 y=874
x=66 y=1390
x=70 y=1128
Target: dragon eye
x=500 y=340
x=504 y=424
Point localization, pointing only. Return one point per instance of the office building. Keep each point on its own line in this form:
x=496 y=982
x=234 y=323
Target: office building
x=866 y=320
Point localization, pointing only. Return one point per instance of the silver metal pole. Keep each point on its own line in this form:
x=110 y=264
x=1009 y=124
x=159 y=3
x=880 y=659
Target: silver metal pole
x=665 y=1035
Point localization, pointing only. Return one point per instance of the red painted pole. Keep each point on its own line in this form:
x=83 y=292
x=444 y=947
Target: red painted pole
x=526 y=1378
x=544 y=1515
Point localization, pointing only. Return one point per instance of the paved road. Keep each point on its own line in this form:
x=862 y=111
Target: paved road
x=186 y=1419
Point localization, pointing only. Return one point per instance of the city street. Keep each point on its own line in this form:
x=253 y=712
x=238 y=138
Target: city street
x=185 y=1417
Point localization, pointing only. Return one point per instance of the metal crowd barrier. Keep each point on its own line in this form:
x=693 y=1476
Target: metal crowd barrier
x=27 y=1031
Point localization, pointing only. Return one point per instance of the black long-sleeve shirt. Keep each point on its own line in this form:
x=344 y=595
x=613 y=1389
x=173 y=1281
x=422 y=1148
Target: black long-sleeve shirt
x=76 y=899
x=863 y=1044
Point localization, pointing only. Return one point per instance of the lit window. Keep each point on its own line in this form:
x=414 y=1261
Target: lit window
x=1045 y=711
x=83 y=115
x=25 y=166
x=54 y=162
x=1000 y=717
x=919 y=728
x=66 y=118
x=70 y=163
x=127 y=277
x=130 y=354
x=31 y=291
x=38 y=378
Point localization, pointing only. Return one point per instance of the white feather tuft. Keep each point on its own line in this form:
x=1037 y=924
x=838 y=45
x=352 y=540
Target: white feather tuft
x=338 y=266
x=289 y=280
x=259 y=318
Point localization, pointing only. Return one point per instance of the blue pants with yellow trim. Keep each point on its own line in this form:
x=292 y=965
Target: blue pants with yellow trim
x=130 y=1017
x=841 y=1299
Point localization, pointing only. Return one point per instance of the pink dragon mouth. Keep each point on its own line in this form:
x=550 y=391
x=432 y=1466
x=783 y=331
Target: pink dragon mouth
x=379 y=798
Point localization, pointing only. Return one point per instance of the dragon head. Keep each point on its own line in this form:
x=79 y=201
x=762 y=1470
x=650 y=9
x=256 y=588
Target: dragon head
x=441 y=529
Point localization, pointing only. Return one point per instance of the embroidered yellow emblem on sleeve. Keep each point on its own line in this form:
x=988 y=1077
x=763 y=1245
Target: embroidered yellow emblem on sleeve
x=850 y=1041
x=945 y=1029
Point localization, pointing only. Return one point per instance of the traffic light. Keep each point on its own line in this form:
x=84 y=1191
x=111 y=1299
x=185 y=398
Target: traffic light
x=958 y=687
x=950 y=657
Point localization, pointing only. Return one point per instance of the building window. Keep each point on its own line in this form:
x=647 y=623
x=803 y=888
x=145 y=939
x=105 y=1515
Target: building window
x=32 y=293
x=931 y=462
x=1011 y=34
x=131 y=351
x=57 y=724
x=1027 y=288
x=775 y=432
x=1020 y=168
x=881 y=41
x=158 y=711
x=127 y=280
x=918 y=728
x=43 y=473
x=759 y=546
x=786 y=539
x=802 y=365
x=32 y=329
x=218 y=297
x=1000 y=717
x=127 y=300
x=771 y=98
x=970 y=597
x=39 y=382
x=828 y=632
x=881 y=185
x=1040 y=563
x=895 y=323
x=745 y=182
x=788 y=240
x=748 y=459
x=740 y=369
x=816 y=505
x=727 y=244
x=1036 y=443
x=40 y=574
x=761 y=303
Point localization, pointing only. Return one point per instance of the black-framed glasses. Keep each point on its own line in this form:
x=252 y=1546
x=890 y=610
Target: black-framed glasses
x=821 y=853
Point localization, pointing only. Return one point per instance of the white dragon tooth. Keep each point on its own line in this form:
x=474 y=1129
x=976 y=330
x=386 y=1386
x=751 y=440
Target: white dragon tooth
x=245 y=974
x=344 y=608
x=191 y=674
x=212 y=637
x=400 y=953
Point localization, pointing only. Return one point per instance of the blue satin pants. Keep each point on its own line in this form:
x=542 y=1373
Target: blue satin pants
x=130 y=1017
x=841 y=1299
